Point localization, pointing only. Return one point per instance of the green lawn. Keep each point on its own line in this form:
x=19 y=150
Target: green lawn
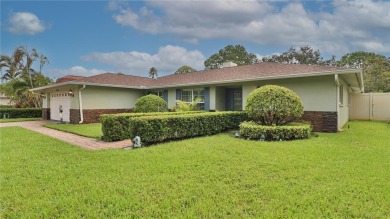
x=345 y=175
x=93 y=130
x=19 y=120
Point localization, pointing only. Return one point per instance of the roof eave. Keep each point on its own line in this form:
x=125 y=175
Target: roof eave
x=311 y=74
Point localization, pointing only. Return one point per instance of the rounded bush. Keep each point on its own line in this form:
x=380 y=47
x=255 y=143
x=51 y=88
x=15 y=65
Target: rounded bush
x=252 y=130
x=273 y=105
x=150 y=103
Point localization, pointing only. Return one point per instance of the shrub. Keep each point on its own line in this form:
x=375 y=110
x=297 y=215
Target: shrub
x=5 y=106
x=20 y=112
x=150 y=103
x=159 y=128
x=291 y=131
x=182 y=106
x=273 y=105
x=115 y=127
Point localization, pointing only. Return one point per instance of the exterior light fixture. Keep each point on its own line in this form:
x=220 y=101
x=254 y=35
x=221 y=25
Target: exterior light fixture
x=70 y=92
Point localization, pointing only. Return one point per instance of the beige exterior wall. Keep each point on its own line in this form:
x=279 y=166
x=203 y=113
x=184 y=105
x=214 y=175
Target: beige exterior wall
x=343 y=111
x=317 y=93
x=109 y=98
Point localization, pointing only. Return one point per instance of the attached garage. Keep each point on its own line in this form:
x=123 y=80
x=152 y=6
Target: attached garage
x=60 y=99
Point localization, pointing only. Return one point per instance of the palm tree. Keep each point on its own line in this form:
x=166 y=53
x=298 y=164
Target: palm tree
x=21 y=76
x=153 y=72
x=13 y=64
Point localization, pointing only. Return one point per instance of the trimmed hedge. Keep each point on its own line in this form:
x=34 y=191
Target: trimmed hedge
x=115 y=127
x=160 y=128
x=21 y=112
x=252 y=130
x=274 y=105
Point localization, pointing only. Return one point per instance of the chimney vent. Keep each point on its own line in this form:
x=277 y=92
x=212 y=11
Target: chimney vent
x=228 y=64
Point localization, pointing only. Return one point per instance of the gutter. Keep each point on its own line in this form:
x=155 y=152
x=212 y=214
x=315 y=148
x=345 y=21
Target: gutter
x=81 y=105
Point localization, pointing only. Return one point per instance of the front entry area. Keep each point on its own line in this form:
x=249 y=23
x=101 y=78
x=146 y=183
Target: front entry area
x=234 y=99
x=60 y=99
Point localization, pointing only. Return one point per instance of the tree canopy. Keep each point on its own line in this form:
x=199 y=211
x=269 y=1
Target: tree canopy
x=236 y=54
x=376 y=69
x=20 y=76
x=304 y=55
x=153 y=72
x=184 y=69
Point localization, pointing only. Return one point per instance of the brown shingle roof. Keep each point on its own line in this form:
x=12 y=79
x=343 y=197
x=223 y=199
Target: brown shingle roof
x=68 y=78
x=259 y=71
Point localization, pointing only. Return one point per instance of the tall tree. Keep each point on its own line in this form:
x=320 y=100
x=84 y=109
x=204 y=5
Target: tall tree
x=236 y=54
x=12 y=64
x=184 y=69
x=21 y=76
x=153 y=72
x=376 y=69
x=304 y=55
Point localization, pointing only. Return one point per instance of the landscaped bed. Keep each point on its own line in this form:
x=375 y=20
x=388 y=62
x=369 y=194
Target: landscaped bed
x=343 y=175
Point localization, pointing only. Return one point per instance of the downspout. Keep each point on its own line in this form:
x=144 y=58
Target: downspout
x=81 y=105
x=336 y=79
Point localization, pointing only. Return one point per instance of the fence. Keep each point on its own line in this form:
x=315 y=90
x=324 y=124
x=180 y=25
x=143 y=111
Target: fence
x=370 y=106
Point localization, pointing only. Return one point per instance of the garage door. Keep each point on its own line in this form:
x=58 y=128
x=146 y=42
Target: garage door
x=57 y=100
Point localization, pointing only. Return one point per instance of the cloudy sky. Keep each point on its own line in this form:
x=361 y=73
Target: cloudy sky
x=91 y=37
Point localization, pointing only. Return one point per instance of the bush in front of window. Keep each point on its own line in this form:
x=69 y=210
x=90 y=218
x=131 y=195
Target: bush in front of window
x=273 y=105
x=150 y=103
x=182 y=106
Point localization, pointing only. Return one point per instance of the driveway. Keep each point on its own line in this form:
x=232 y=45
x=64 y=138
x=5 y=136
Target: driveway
x=83 y=142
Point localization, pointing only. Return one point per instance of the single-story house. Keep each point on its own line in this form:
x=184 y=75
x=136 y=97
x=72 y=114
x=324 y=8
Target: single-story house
x=324 y=91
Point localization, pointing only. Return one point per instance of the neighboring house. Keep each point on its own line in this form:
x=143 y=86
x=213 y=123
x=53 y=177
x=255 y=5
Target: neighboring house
x=4 y=100
x=323 y=90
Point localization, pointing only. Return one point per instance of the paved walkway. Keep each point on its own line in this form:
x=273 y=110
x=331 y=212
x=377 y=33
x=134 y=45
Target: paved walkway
x=83 y=142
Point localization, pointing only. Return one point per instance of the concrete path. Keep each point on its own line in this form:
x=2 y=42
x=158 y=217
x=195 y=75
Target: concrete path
x=83 y=142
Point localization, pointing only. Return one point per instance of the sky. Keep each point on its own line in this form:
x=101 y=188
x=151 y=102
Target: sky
x=91 y=37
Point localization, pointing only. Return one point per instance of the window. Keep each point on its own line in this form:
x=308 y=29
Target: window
x=157 y=93
x=192 y=95
x=341 y=94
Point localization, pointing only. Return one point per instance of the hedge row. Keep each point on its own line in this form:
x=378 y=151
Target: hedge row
x=159 y=128
x=20 y=113
x=115 y=127
x=252 y=130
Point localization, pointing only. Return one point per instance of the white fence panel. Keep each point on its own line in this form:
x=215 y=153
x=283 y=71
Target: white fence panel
x=370 y=106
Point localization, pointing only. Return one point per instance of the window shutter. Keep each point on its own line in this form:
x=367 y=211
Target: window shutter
x=165 y=95
x=178 y=94
x=207 y=98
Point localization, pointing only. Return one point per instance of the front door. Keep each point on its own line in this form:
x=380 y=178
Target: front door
x=234 y=99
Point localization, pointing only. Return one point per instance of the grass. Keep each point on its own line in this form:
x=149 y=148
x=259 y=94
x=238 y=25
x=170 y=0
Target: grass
x=93 y=130
x=344 y=175
x=19 y=120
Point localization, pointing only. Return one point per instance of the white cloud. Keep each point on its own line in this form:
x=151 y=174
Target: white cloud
x=75 y=70
x=167 y=60
x=348 y=25
x=25 y=23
